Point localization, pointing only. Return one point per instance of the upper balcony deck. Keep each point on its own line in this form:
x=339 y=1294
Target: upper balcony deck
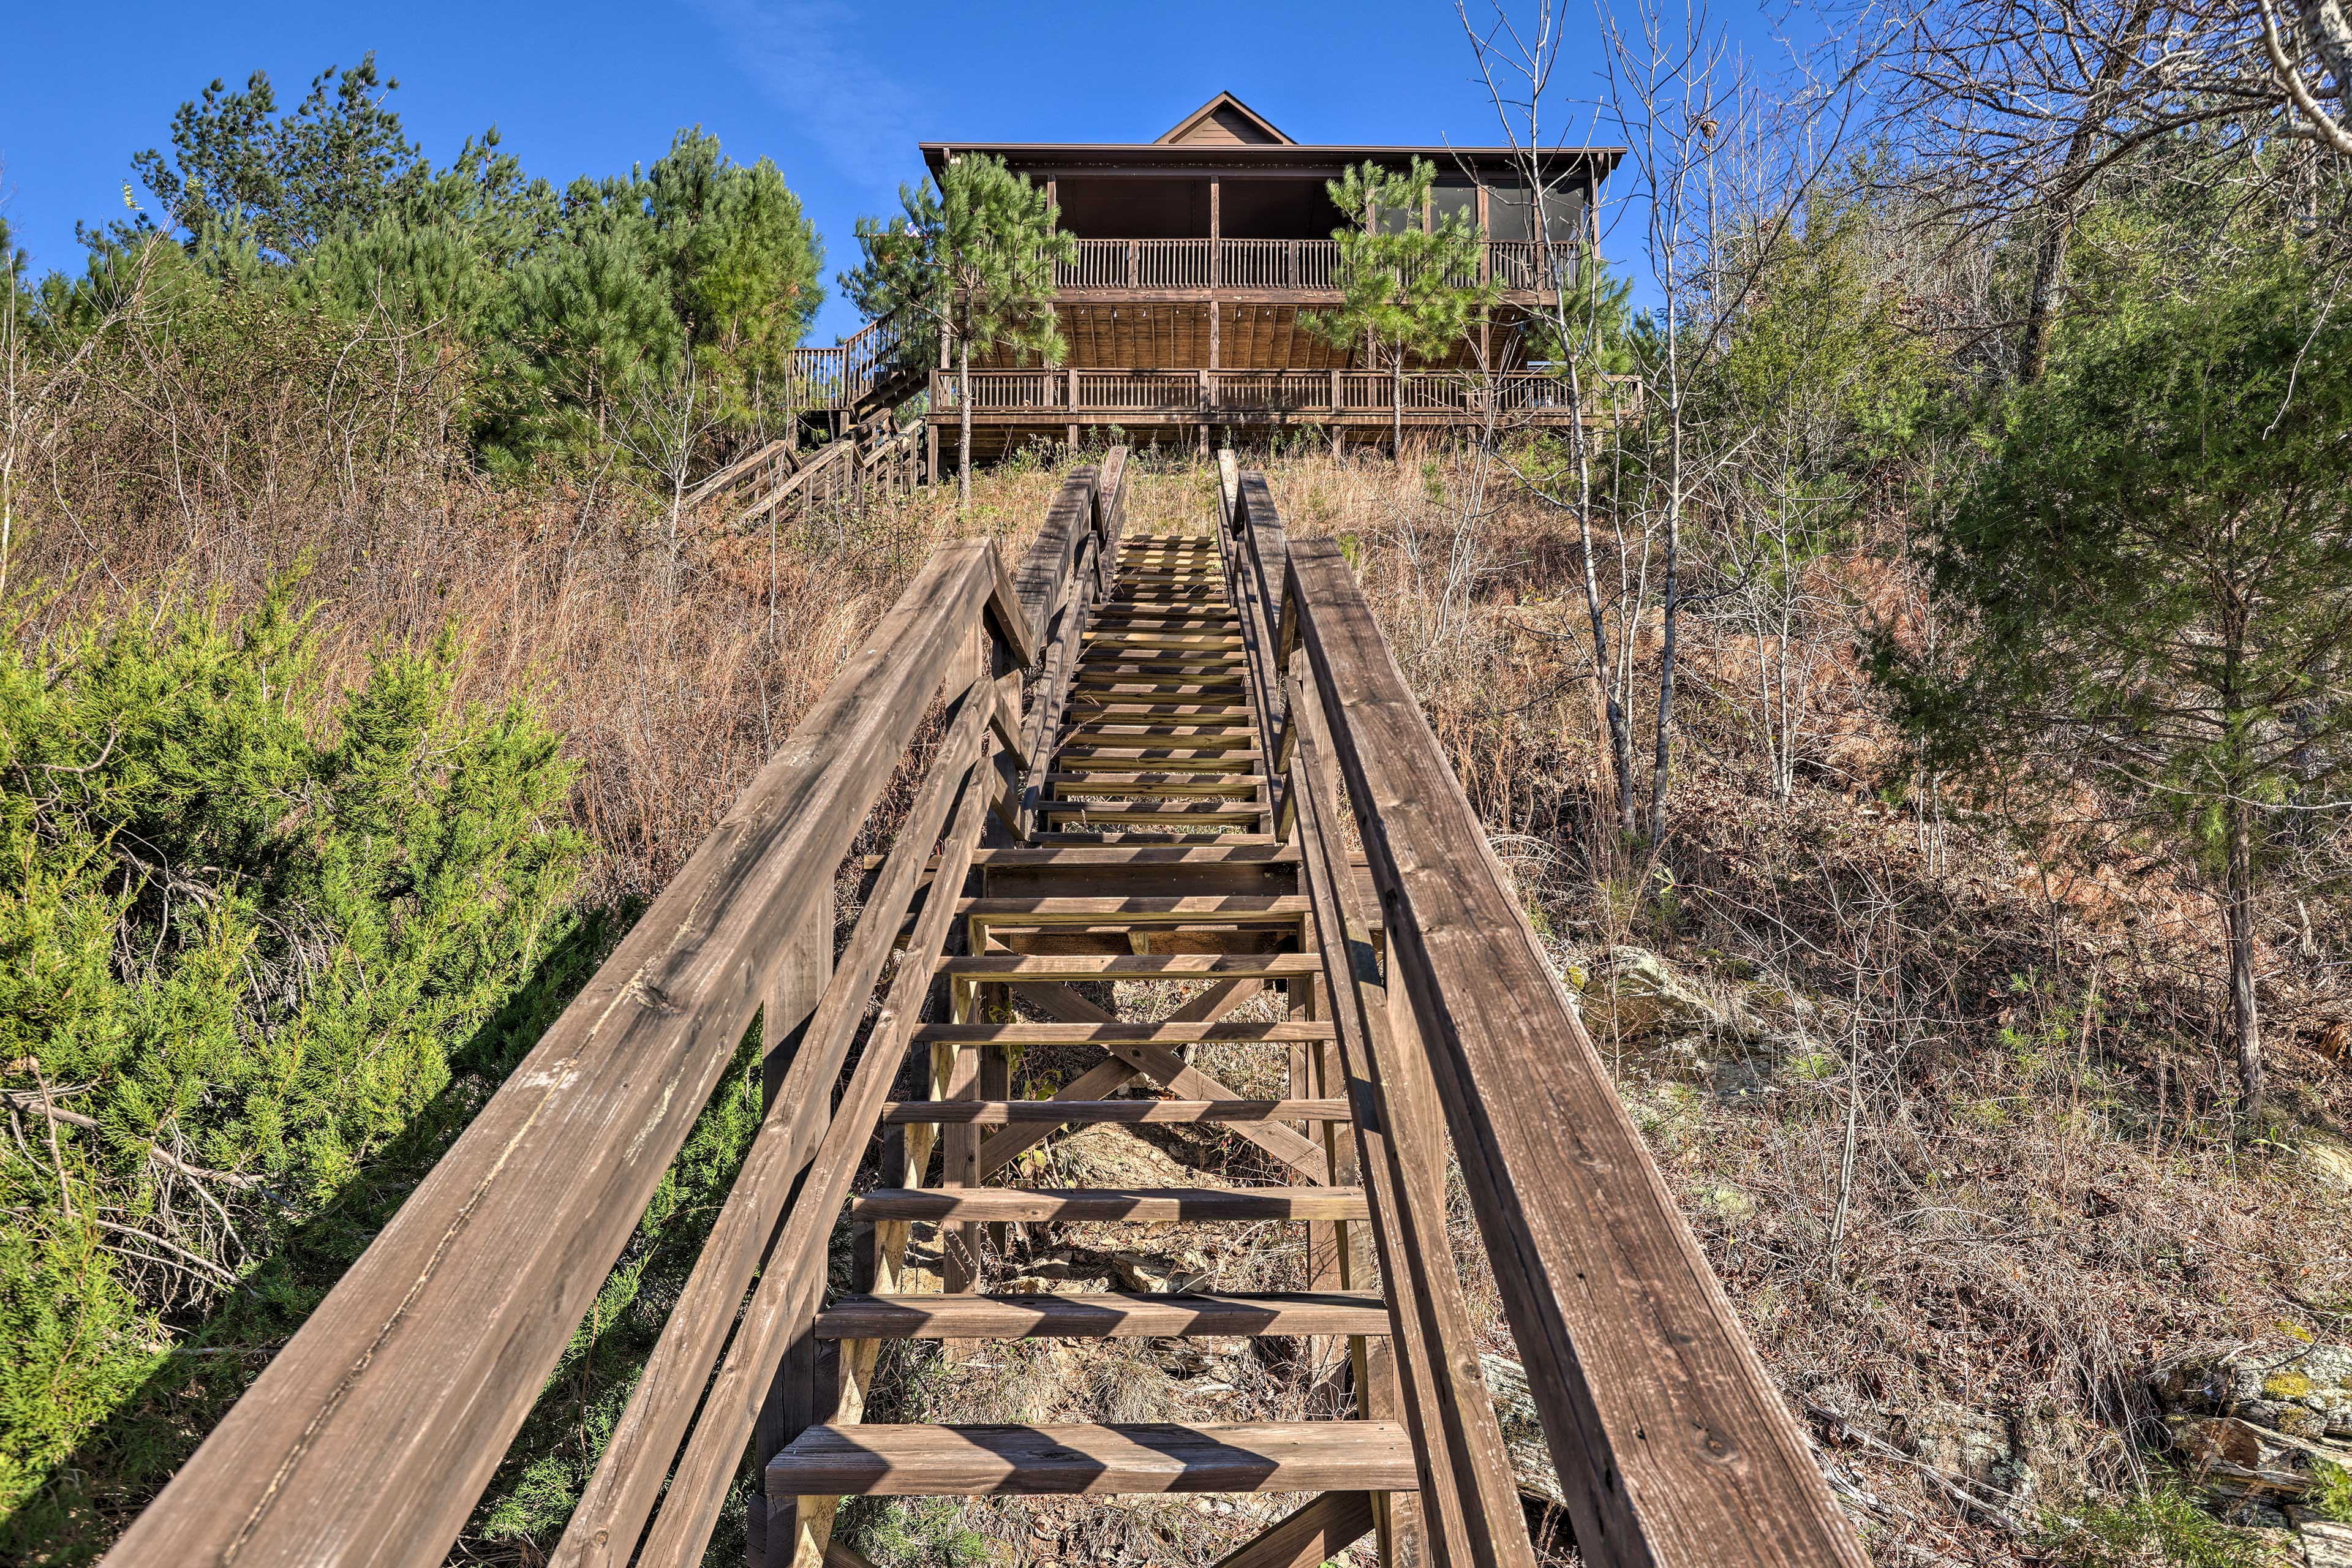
x=1176 y=269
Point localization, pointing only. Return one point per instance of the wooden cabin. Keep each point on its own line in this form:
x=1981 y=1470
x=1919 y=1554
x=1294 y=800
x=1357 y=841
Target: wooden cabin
x=1196 y=255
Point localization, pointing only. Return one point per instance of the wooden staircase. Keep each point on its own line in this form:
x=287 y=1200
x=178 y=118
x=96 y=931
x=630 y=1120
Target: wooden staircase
x=1179 y=772
x=1159 y=745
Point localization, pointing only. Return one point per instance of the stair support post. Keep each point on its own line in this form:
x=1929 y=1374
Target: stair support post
x=802 y=975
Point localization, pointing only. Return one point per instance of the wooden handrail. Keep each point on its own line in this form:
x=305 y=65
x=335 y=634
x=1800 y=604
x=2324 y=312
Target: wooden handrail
x=777 y=451
x=1673 y=1447
x=371 y=1434
x=1061 y=578
x=620 y=1495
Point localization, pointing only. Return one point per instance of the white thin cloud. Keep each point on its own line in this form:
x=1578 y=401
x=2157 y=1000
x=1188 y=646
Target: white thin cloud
x=795 y=51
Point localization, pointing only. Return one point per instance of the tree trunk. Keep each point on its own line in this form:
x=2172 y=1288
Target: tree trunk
x=1605 y=675
x=2244 y=1020
x=1396 y=408
x=2058 y=223
x=963 y=425
x=1672 y=606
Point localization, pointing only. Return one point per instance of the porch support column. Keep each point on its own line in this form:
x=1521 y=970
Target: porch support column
x=1217 y=264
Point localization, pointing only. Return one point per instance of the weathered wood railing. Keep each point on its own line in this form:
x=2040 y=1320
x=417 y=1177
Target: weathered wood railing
x=372 y=1434
x=846 y=471
x=844 y=375
x=1451 y=397
x=1672 y=1445
x=1067 y=572
x=1280 y=266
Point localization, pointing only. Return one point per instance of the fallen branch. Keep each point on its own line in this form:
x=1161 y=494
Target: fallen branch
x=39 y=1106
x=1973 y=1499
x=205 y=1263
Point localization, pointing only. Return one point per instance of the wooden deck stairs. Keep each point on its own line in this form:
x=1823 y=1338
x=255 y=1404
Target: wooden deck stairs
x=1158 y=746
x=1157 y=795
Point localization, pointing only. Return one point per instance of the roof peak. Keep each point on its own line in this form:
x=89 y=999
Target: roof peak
x=1224 y=119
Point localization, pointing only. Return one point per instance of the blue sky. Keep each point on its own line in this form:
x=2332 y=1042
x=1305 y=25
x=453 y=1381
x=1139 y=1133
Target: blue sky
x=837 y=94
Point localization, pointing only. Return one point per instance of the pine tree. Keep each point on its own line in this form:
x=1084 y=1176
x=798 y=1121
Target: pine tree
x=239 y=171
x=1406 y=291
x=972 y=265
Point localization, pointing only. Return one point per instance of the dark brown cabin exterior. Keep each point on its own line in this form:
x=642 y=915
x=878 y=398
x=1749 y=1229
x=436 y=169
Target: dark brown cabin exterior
x=1196 y=255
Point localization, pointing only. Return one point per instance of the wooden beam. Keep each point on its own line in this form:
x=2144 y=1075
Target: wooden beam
x=1309 y=1538
x=1139 y=1205
x=1103 y=1316
x=1078 y=1108
x=1031 y=1461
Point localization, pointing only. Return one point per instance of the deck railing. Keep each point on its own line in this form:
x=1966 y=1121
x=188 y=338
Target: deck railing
x=1455 y=1032
x=1275 y=266
x=845 y=374
x=1135 y=264
x=1308 y=393
x=1523 y=266
x=1131 y=391
x=1278 y=265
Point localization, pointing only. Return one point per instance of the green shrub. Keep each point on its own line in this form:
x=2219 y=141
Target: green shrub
x=2332 y=1497
x=921 y=1533
x=265 y=947
x=2163 y=1526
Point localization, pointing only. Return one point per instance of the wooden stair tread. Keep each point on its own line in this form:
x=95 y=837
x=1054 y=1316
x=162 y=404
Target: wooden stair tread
x=1118 y=740
x=1082 y=837
x=1159 y=669
x=1019 y=968
x=1078 y=789
x=1091 y=761
x=1033 y=858
x=1033 y=1461
x=1117 y=1314
x=1108 y=1206
x=1107 y=674
x=1123 y=1113
x=1207 y=907
x=1081 y=816
x=1153 y=811
x=1141 y=783
x=1021 y=1031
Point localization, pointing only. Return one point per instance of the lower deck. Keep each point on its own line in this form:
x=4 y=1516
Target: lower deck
x=1014 y=408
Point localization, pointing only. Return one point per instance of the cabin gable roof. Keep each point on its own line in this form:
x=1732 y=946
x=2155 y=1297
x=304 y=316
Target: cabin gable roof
x=1225 y=120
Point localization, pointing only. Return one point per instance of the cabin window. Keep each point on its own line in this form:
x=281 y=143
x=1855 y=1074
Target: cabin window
x=1260 y=208
x=1395 y=220
x=1507 y=215
x=1455 y=196
x=1510 y=216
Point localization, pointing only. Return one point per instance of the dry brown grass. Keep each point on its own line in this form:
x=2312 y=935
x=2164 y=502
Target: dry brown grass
x=671 y=679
